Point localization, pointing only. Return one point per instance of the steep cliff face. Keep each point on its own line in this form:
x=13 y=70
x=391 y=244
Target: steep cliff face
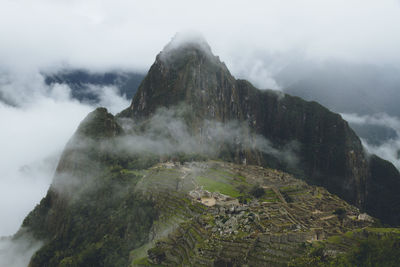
x=190 y=73
x=383 y=191
x=329 y=152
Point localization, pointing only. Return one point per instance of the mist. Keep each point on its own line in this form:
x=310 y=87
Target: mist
x=36 y=126
x=282 y=45
x=17 y=252
x=128 y=34
x=167 y=133
x=385 y=145
x=262 y=41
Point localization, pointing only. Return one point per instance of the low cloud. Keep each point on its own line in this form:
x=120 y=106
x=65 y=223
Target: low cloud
x=17 y=252
x=167 y=132
x=37 y=121
x=388 y=147
x=109 y=97
x=381 y=119
x=126 y=34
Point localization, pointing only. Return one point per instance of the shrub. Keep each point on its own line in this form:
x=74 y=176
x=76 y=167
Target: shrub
x=257 y=191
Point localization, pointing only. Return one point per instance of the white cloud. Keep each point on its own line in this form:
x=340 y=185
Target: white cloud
x=17 y=253
x=32 y=136
x=110 y=98
x=381 y=119
x=101 y=34
x=390 y=149
x=31 y=139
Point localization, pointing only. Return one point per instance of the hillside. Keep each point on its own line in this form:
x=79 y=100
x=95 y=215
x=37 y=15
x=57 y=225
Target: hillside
x=176 y=213
x=204 y=169
x=327 y=152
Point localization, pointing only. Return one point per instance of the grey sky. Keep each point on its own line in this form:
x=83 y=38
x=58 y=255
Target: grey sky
x=103 y=34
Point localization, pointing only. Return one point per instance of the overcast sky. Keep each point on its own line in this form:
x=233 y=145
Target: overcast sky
x=115 y=33
x=253 y=37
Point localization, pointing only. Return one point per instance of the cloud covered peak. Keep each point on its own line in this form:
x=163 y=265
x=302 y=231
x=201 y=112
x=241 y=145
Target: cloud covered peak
x=186 y=43
x=188 y=39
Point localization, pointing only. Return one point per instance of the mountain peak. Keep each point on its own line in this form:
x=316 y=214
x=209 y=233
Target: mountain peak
x=185 y=71
x=184 y=43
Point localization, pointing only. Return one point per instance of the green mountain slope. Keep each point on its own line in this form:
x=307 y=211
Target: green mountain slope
x=105 y=209
x=188 y=176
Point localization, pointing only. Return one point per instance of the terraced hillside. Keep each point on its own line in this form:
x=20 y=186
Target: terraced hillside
x=201 y=213
x=361 y=247
x=212 y=216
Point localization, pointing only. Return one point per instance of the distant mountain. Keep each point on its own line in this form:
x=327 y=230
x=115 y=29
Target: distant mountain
x=196 y=172
x=374 y=134
x=345 y=87
x=80 y=82
x=357 y=90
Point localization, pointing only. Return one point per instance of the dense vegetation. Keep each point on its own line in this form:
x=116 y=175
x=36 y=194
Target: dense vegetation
x=377 y=249
x=96 y=229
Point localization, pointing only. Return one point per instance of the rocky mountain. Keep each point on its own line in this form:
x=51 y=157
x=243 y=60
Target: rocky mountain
x=329 y=152
x=362 y=90
x=206 y=170
x=83 y=85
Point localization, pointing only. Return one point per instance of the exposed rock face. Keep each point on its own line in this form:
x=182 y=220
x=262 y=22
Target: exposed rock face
x=383 y=191
x=330 y=153
x=187 y=73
